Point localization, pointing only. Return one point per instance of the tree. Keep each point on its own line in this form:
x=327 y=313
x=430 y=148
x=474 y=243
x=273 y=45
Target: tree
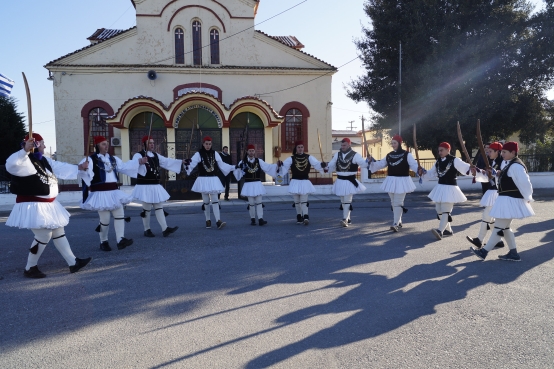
x=11 y=126
x=462 y=60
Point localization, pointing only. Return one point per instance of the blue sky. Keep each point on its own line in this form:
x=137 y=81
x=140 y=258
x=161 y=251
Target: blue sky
x=36 y=32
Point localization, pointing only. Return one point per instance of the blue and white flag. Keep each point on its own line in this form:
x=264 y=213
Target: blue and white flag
x=6 y=85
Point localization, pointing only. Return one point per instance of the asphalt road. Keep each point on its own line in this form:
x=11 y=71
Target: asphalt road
x=283 y=295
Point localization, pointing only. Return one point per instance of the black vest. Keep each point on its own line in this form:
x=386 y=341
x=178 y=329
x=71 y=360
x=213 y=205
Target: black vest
x=152 y=176
x=346 y=165
x=506 y=185
x=36 y=184
x=446 y=171
x=252 y=171
x=303 y=161
x=98 y=169
x=398 y=164
x=495 y=164
x=208 y=165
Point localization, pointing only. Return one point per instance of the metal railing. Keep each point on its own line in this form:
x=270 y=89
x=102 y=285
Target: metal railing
x=5 y=179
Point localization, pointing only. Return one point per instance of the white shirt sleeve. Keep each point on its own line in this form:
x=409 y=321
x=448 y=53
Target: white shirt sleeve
x=316 y=164
x=522 y=181
x=193 y=162
x=19 y=164
x=333 y=163
x=87 y=175
x=142 y=168
x=286 y=166
x=238 y=172
x=224 y=167
x=412 y=163
x=358 y=159
x=129 y=168
x=375 y=166
x=63 y=170
x=173 y=165
x=270 y=169
x=463 y=168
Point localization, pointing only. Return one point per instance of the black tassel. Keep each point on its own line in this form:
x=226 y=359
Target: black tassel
x=340 y=207
x=439 y=216
x=219 y=206
x=34 y=249
x=203 y=207
x=391 y=208
x=500 y=233
x=293 y=205
x=248 y=207
x=449 y=218
x=143 y=214
x=263 y=206
x=404 y=210
x=351 y=208
x=488 y=227
x=127 y=219
x=307 y=204
x=98 y=228
x=166 y=213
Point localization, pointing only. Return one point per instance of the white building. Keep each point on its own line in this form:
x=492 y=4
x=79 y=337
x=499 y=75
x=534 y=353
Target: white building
x=191 y=63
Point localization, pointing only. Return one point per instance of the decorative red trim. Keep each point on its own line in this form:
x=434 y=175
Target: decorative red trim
x=172 y=1
x=305 y=115
x=149 y=104
x=271 y=123
x=195 y=6
x=196 y=98
x=85 y=113
x=197 y=84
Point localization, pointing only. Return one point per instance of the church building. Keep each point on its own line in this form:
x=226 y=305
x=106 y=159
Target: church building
x=191 y=68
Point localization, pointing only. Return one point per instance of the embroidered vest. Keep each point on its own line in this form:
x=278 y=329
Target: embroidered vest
x=208 y=165
x=398 y=164
x=346 y=165
x=506 y=185
x=252 y=171
x=152 y=176
x=100 y=171
x=446 y=171
x=495 y=164
x=301 y=166
x=36 y=184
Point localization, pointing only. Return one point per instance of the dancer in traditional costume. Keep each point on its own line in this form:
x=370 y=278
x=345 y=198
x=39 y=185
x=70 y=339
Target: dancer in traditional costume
x=251 y=169
x=490 y=196
x=447 y=193
x=346 y=163
x=35 y=182
x=515 y=193
x=300 y=185
x=226 y=180
x=208 y=183
x=148 y=190
x=101 y=191
x=398 y=182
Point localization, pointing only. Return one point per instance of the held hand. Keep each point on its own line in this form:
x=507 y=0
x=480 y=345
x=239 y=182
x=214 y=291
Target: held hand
x=323 y=164
x=143 y=160
x=30 y=145
x=489 y=172
x=83 y=166
x=420 y=171
x=473 y=170
x=279 y=163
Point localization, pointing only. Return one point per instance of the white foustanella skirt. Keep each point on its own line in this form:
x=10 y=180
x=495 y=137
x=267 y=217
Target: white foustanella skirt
x=106 y=200
x=150 y=194
x=447 y=193
x=37 y=215
x=506 y=207
x=301 y=187
x=343 y=187
x=208 y=185
x=398 y=184
x=253 y=189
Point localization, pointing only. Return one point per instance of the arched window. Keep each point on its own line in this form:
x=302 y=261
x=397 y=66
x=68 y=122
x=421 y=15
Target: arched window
x=293 y=128
x=214 y=46
x=197 y=42
x=97 y=125
x=179 y=46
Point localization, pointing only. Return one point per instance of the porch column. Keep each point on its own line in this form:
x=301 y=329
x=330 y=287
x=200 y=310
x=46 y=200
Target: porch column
x=171 y=150
x=268 y=144
x=225 y=139
x=125 y=153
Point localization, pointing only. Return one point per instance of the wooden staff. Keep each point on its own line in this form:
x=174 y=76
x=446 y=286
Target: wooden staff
x=462 y=145
x=363 y=137
x=149 y=132
x=481 y=146
x=319 y=139
x=29 y=107
x=415 y=148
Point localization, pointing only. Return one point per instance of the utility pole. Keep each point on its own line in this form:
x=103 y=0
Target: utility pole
x=400 y=90
x=352 y=125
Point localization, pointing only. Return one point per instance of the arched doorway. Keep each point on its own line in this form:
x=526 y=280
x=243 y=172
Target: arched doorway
x=205 y=124
x=140 y=126
x=246 y=128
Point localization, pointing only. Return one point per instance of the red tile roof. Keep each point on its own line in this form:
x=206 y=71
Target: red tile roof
x=102 y=34
x=289 y=41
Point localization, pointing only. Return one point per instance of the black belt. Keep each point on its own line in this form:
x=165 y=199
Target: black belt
x=351 y=179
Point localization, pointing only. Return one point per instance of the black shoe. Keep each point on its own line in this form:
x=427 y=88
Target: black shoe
x=399 y=225
x=220 y=224
x=148 y=233
x=169 y=230
x=105 y=246
x=33 y=272
x=480 y=253
x=510 y=256
x=476 y=241
x=208 y=224
x=306 y=219
x=499 y=245
x=124 y=243
x=447 y=233
x=226 y=198
x=252 y=221
x=349 y=221
x=261 y=221
x=79 y=263
x=344 y=223
x=394 y=228
x=299 y=219
x=437 y=234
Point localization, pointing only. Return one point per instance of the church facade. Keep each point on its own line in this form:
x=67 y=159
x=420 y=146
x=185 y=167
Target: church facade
x=191 y=68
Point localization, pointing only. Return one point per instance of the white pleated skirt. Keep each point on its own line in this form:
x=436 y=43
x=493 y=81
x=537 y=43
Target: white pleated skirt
x=447 y=193
x=342 y=187
x=507 y=207
x=208 y=185
x=32 y=215
x=252 y=189
x=106 y=200
x=150 y=194
x=301 y=187
x=398 y=184
x=489 y=198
